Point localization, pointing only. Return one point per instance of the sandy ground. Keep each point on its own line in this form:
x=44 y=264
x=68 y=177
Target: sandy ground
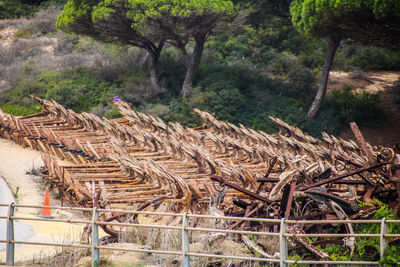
x=15 y=161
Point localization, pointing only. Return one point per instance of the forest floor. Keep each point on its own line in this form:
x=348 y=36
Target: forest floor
x=384 y=83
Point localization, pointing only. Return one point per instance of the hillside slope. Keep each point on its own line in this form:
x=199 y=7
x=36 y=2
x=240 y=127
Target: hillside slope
x=38 y=59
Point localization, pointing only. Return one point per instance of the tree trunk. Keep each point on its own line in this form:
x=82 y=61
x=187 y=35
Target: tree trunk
x=154 y=66
x=192 y=65
x=333 y=44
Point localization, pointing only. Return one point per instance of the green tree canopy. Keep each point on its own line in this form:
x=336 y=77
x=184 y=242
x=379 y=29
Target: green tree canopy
x=149 y=25
x=369 y=21
x=180 y=22
x=108 y=20
x=362 y=20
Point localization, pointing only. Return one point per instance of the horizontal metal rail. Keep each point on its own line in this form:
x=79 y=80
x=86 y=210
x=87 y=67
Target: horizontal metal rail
x=51 y=244
x=284 y=233
x=231 y=231
x=158 y=226
x=48 y=220
x=231 y=257
x=141 y=250
x=336 y=263
x=334 y=235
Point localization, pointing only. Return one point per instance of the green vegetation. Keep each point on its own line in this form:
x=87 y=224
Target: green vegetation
x=149 y=25
x=251 y=62
x=10 y=9
x=365 y=21
x=352 y=106
x=20 y=110
x=14 y=9
x=367 y=248
x=354 y=57
x=240 y=60
x=76 y=89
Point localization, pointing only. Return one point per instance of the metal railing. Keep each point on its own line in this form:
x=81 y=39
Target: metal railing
x=185 y=229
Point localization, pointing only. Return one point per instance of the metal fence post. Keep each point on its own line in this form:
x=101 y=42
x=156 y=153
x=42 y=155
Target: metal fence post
x=185 y=241
x=383 y=241
x=283 y=251
x=10 y=235
x=95 y=239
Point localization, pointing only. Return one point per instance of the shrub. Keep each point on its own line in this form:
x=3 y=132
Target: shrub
x=362 y=107
x=18 y=110
x=43 y=22
x=289 y=67
x=10 y=9
x=24 y=33
x=136 y=88
x=326 y=120
x=173 y=69
x=180 y=111
x=119 y=63
x=75 y=89
x=158 y=110
x=396 y=92
x=353 y=56
x=240 y=95
x=113 y=113
x=367 y=248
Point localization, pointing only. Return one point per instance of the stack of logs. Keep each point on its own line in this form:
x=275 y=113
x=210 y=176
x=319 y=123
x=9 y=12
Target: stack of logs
x=141 y=162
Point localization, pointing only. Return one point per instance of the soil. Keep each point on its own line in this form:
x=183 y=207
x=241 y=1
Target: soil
x=382 y=82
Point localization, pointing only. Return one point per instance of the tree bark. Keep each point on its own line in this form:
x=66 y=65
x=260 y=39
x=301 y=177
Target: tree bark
x=154 y=66
x=193 y=64
x=333 y=44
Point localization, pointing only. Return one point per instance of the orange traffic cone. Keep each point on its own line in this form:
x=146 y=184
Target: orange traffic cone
x=46 y=213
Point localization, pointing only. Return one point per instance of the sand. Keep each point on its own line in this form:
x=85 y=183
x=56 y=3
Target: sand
x=15 y=162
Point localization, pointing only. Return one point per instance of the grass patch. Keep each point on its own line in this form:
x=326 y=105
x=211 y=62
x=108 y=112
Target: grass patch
x=18 y=110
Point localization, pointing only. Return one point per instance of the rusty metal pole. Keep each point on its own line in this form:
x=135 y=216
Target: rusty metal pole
x=271 y=166
x=360 y=139
x=240 y=189
x=62 y=188
x=341 y=176
x=290 y=200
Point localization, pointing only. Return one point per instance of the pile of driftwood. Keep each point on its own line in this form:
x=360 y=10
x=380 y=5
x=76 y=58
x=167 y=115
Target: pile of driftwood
x=141 y=162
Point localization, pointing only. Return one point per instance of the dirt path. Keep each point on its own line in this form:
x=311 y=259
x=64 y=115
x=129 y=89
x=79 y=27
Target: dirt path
x=382 y=82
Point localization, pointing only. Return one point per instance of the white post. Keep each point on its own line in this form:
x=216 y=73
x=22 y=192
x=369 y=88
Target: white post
x=95 y=239
x=383 y=241
x=283 y=252
x=185 y=241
